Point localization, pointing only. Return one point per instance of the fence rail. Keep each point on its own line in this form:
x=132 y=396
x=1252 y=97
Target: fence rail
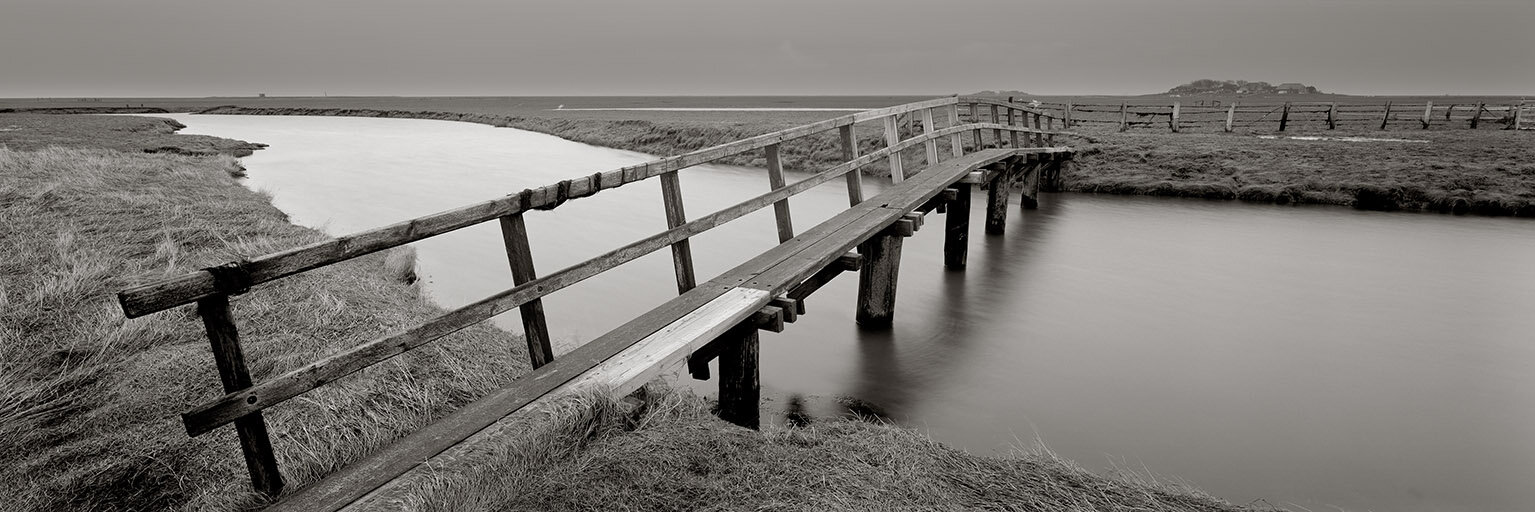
x=1282 y=116
x=928 y=124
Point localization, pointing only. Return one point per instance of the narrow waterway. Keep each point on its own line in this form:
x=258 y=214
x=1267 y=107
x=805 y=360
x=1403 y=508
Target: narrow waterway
x=1315 y=356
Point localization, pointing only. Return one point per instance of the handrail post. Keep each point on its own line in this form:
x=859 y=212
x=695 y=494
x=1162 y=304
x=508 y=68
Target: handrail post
x=514 y=233
x=996 y=134
x=682 y=250
x=850 y=152
x=892 y=138
x=975 y=117
x=1012 y=136
x=930 y=145
x=1039 y=125
x=1050 y=126
x=780 y=207
x=956 y=143
x=256 y=445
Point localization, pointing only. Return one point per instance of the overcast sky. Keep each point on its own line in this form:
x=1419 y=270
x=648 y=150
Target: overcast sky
x=61 y=48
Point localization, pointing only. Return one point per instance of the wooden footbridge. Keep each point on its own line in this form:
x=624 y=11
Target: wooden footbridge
x=715 y=319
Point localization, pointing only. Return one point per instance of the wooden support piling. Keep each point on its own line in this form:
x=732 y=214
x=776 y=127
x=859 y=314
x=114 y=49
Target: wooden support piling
x=781 y=207
x=850 y=152
x=535 y=329
x=877 y=279
x=229 y=357
x=956 y=236
x=893 y=137
x=1031 y=178
x=682 y=250
x=1385 y=117
x=1173 y=122
x=1231 y=114
x=1332 y=116
x=740 y=385
x=1428 y=108
x=996 y=201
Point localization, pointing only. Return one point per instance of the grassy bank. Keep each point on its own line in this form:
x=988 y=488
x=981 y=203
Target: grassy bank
x=1482 y=172
x=1487 y=172
x=89 y=402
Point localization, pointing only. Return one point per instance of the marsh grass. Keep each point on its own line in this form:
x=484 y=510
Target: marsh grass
x=89 y=401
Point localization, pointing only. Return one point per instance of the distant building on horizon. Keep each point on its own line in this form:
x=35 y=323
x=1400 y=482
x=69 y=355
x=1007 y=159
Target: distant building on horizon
x=1294 y=88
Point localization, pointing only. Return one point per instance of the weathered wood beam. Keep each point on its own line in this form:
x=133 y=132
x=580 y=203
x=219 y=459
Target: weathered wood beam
x=535 y=328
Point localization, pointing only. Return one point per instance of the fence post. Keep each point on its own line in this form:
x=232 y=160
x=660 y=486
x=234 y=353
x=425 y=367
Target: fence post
x=1332 y=116
x=514 y=234
x=1427 y=109
x=230 y=360
x=849 y=152
x=1124 y=116
x=776 y=180
x=1386 y=117
x=1066 y=123
x=1519 y=117
x=893 y=137
x=1284 y=117
x=1173 y=123
x=1513 y=124
x=1231 y=114
x=1476 y=117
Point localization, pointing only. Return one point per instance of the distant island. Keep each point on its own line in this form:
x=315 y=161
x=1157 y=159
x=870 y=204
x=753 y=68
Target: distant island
x=1207 y=86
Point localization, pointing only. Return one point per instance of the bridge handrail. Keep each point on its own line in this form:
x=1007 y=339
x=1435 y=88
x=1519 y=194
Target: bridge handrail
x=244 y=399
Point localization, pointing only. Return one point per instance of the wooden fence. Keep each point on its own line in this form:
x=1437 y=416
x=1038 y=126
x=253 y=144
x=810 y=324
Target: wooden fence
x=1178 y=117
x=929 y=125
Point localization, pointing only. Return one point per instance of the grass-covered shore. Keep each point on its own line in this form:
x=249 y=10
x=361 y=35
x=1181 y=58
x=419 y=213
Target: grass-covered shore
x=1482 y=172
x=89 y=401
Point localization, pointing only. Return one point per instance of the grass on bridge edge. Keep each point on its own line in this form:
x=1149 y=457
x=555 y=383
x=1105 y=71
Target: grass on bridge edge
x=89 y=401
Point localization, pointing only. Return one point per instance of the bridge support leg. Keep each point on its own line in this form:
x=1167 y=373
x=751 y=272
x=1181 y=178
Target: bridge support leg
x=956 y=236
x=1030 y=199
x=996 y=202
x=740 y=388
x=877 y=278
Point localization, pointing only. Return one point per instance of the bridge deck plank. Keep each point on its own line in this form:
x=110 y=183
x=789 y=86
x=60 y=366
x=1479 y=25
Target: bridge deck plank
x=467 y=436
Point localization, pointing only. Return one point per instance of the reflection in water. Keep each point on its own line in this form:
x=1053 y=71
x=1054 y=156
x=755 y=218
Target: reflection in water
x=1309 y=355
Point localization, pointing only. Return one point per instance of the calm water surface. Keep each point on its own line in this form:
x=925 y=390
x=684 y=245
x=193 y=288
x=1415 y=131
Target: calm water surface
x=1314 y=356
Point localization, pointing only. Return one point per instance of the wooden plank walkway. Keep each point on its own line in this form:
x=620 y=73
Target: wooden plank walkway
x=627 y=357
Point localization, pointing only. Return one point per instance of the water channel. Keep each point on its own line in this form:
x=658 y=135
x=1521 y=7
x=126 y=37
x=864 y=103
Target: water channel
x=1312 y=356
